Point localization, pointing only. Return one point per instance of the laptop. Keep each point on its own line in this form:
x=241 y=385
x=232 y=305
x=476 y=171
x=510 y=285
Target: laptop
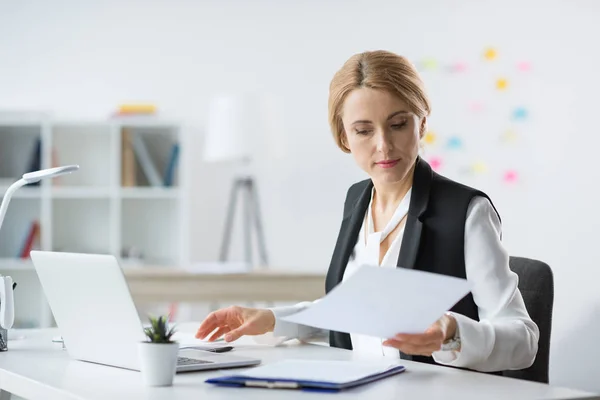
x=96 y=316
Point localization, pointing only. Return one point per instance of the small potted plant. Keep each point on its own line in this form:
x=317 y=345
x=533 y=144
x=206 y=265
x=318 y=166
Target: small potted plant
x=158 y=354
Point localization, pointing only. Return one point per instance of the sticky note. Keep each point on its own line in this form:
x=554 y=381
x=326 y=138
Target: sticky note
x=428 y=63
x=454 y=143
x=490 y=54
x=509 y=136
x=430 y=138
x=520 y=113
x=479 y=167
x=524 y=66
x=435 y=163
x=476 y=106
x=501 y=84
x=458 y=67
x=510 y=176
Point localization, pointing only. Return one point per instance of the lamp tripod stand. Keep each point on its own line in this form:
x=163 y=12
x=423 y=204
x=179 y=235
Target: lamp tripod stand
x=245 y=186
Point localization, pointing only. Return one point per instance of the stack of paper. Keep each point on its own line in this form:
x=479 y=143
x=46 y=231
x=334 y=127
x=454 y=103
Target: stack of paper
x=338 y=372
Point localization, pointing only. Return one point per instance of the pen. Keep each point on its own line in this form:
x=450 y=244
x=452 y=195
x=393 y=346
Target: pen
x=223 y=349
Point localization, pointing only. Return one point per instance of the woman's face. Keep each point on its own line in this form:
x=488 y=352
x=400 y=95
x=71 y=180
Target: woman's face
x=382 y=134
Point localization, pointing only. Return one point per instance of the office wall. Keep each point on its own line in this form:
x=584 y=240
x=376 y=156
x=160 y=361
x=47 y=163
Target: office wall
x=81 y=58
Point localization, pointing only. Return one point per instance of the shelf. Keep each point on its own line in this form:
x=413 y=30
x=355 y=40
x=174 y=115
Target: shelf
x=20 y=119
x=150 y=193
x=86 y=146
x=145 y=122
x=15 y=264
x=80 y=192
x=23 y=193
x=81 y=226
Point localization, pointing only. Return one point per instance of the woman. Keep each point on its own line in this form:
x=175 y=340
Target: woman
x=408 y=216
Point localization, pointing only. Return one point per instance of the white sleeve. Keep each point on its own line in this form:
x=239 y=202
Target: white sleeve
x=288 y=330
x=505 y=337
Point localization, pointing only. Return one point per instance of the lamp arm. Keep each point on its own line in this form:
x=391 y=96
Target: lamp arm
x=7 y=196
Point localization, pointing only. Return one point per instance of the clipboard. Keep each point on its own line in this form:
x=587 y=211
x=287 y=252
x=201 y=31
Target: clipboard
x=250 y=381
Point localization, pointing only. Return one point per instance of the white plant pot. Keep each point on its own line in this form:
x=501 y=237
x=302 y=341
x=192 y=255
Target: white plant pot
x=158 y=362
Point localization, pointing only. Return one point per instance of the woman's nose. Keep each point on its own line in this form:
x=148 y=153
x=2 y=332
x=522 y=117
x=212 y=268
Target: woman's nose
x=383 y=142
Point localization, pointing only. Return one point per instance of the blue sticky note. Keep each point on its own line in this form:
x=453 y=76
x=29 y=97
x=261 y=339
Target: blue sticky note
x=454 y=143
x=520 y=113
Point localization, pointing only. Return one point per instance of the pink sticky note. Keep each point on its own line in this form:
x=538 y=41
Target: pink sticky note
x=435 y=163
x=476 y=106
x=524 y=66
x=510 y=176
x=458 y=67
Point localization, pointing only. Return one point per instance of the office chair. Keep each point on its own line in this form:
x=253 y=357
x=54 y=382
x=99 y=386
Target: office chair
x=536 y=284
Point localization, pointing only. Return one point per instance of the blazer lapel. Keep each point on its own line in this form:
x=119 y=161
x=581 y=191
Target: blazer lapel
x=416 y=209
x=349 y=230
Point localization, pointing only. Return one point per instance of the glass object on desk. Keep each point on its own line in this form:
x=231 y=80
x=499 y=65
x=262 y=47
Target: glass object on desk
x=3 y=339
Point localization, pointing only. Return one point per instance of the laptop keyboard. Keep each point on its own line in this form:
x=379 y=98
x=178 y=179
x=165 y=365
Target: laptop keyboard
x=191 y=361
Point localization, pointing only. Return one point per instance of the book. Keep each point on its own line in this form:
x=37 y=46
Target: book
x=169 y=178
x=128 y=163
x=145 y=160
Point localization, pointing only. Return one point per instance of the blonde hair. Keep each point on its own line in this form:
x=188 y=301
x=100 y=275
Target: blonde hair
x=381 y=70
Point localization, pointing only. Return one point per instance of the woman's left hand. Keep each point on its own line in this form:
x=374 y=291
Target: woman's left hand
x=424 y=344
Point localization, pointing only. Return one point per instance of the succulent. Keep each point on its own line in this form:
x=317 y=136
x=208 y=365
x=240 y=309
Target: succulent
x=158 y=331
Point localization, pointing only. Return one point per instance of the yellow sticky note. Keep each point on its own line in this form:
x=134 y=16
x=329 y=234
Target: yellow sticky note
x=490 y=54
x=509 y=136
x=501 y=84
x=479 y=167
x=429 y=138
x=429 y=63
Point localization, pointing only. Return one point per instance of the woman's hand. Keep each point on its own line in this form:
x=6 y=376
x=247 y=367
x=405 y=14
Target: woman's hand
x=234 y=322
x=424 y=344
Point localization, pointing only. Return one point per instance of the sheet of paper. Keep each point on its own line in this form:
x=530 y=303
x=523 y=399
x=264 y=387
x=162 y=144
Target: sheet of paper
x=187 y=339
x=383 y=302
x=320 y=370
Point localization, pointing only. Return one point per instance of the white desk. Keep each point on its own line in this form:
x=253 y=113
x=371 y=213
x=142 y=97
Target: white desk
x=36 y=368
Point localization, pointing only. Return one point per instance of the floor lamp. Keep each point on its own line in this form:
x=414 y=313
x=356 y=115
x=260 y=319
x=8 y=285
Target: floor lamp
x=234 y=125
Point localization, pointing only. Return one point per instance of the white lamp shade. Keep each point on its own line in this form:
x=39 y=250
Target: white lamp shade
x=230 y=129
x=241 y=125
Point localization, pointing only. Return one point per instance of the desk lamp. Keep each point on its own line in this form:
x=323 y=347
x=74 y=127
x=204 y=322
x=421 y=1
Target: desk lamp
x=235 y=124
x=7 y=307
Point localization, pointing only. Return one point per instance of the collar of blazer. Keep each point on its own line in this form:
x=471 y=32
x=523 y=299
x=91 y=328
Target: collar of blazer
x=412 y=231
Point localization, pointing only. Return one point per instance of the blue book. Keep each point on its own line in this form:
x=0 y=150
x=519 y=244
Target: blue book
x=170 y=170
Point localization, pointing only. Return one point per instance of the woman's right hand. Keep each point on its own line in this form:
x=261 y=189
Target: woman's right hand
x=235 y=321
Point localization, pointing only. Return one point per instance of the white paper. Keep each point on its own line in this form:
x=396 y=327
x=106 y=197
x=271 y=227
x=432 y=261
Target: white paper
x=320 y=370
x=383 y=302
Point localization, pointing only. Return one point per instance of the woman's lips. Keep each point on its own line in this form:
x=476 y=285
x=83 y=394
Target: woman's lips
x=388 y=163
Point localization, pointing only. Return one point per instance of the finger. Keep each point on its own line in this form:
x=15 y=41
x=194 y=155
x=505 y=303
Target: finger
x=408 y=348
x=235 y=334
x=210 y=323
x=402 y=345
x=421 y=338
x=435 y=344
x=220 y=332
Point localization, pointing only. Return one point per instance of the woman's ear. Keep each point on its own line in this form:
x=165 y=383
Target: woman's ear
x=344 y=140
x=423 y=127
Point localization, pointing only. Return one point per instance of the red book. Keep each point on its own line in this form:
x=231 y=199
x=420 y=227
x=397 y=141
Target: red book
x=34 y=232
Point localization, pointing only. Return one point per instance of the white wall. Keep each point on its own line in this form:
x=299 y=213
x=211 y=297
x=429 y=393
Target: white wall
x=82 y=58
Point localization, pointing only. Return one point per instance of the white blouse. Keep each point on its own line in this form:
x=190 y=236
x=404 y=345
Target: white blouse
x=504 y=338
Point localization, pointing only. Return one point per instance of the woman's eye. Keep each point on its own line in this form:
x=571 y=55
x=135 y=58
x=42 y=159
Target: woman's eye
x=399 y=126
x=363 y=132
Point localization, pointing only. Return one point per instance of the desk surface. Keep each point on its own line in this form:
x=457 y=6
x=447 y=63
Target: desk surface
x=36 y=368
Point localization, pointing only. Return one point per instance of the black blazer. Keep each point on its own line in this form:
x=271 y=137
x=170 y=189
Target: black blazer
x=433 y=235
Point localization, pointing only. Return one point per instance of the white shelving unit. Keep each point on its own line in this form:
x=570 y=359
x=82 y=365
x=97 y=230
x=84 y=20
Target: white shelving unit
x=95 y=210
